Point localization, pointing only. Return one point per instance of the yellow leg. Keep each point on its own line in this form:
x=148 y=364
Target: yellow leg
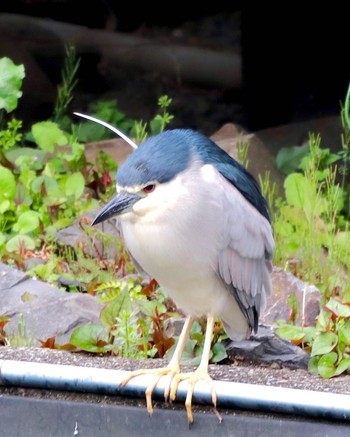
x=172 y=369
x=201 y=373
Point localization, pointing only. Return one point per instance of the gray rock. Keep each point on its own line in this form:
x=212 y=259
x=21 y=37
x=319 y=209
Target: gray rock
x=266 y=347
x=39 y=311
x=74 y=236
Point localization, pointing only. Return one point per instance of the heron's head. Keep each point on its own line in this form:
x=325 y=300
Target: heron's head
x=154 y=175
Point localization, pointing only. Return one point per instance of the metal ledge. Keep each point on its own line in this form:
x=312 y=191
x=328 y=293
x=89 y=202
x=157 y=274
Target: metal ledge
x=250 y=397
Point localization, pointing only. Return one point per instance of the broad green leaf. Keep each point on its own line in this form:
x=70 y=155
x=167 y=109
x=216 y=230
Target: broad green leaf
x=313 y=364
x=219 y=353
x=19 y=241
x=4 y=206
x=11 y=77
x=192 y=353
x=288 y=158
x=338 y=308
x=27 y=222
x=344 y=331
x=324 y=320
x=113 y=309
x=302 y=193
x=149 y=307
x=293 y=333
x=15 y=156
x=90 y=338
x=342 y=366
x=75 y=185
x=7 y=184
x=326 y=365
x=324 y=343
x=50 y=184
x=48 y=135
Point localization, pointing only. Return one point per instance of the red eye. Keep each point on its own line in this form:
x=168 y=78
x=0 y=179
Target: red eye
x=149 y=188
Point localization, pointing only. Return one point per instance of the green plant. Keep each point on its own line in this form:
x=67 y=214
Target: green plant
x=313 y=231
x=66 y=87
x=11 y=78
x=194 y=346
x=130 y=322
x=46 y=182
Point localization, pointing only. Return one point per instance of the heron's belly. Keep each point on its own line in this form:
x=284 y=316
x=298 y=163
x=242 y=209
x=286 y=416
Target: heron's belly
x=188 y=276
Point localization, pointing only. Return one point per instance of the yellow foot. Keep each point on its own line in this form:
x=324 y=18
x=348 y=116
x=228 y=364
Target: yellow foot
x=169 y=371
x=192 y=377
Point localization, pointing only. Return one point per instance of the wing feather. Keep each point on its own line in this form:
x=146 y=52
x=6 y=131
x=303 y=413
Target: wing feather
x=244 y=261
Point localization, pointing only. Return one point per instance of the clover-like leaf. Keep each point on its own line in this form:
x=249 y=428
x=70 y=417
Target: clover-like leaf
x=28 y=221
x=90 y=338
x=324 y=343
x=326 y=365
x=20 y=241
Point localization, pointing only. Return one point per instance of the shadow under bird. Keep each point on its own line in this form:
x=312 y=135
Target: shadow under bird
x=195 y=220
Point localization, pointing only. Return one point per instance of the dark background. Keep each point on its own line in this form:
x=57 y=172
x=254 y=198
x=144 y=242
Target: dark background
x=295 y=62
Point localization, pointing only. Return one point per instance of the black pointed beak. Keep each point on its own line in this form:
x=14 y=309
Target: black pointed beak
x=120 y=204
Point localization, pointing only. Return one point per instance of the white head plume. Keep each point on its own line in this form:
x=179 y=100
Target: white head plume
x=112 y=128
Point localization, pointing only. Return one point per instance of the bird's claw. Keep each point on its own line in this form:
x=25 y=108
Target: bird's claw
x=174 y=379
x=193 y=378
x=170 y=372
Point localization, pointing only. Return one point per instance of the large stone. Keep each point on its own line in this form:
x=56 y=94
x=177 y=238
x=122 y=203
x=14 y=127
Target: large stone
x=38 y=310
x=283 y=285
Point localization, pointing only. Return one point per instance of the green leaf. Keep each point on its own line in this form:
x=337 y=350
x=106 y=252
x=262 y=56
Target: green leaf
x=7 y=184
x=192 y=353
x=293 y=333
x=112 y=310
x=4 y=206
x=75 y=185
x=302 y=193
x=338 y=308
x=11 y=77
x=342 y=366
x=289 y=158
x=326 y=365
x=15 y=156
x=28 y=221
x=90 y=338
x=48 y=135
x=50 y=184
x=313 y=365
x=344 y=331
x=149 y=307
x=324 y=343
x=219 y=353
x=19 y=241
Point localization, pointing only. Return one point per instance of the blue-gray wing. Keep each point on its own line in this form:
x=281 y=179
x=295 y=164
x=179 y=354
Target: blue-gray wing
x=245 y=259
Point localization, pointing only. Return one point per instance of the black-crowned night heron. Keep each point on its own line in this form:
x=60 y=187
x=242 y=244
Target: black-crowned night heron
x=194 y=219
